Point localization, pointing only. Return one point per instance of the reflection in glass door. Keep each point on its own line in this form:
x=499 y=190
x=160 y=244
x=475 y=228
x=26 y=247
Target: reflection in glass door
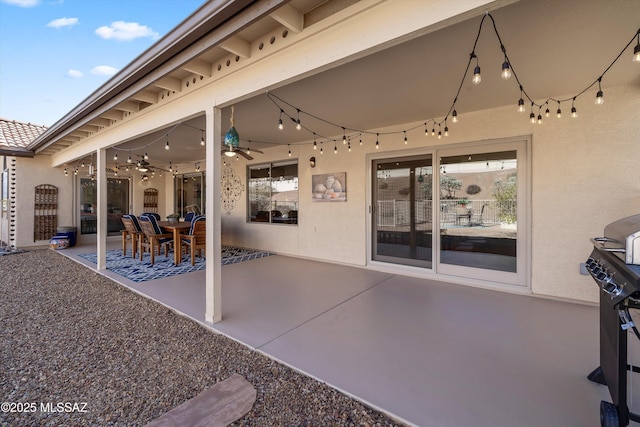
x=402 y=211
x=478 y=211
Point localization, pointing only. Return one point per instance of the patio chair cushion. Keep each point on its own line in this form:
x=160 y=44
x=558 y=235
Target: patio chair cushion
x=154 y=222
x=195 y=219
x=134 y=219
x=189 y=216
x=153 y=214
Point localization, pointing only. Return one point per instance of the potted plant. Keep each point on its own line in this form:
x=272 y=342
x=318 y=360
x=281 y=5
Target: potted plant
x=173 y=218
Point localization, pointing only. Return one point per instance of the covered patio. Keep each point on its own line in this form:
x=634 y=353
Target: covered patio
x=427 y=353
x=432 y=341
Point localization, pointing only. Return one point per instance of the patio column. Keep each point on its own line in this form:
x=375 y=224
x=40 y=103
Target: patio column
x=101 y=209
x=213 y=297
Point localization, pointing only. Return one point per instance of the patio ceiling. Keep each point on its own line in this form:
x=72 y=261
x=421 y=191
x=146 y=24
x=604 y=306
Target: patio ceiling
x=556 y=48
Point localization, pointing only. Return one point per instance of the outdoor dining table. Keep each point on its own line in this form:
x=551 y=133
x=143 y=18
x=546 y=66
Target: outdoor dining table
x=176 y=228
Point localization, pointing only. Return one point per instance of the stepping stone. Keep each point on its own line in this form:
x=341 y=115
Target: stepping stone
x=218 y=406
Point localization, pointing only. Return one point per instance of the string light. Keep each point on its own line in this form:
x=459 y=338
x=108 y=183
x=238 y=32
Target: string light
x=202 y=141
x=377 y=141
x=146 y=156
x=129 y=159
x=289 y=145
x=521 y=101
x=166 y=145
x=335 y=148
x=405 y=138
x=280 y=124
x=321 y=151
x=507 y=70
x=115 y=157
x=599 y=95
x=477 y=78
x=298 y=125
x=315 y=144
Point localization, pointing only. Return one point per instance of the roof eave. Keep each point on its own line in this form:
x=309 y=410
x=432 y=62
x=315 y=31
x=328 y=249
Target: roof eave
x=208 y=17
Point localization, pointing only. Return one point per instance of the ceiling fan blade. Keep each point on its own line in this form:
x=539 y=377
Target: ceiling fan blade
x=243 y=154
x=253 y=149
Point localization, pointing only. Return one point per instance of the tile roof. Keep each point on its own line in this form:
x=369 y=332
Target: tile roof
x=17 y=135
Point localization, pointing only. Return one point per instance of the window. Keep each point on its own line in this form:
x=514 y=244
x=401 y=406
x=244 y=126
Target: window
x=273 y=193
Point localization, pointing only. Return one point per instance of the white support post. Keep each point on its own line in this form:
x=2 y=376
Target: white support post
x=213 y=312
x=101 y=208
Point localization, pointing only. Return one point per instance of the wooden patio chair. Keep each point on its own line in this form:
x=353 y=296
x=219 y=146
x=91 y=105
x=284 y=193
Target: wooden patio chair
x=133 y=230
x=153 y=238
x=196 y=240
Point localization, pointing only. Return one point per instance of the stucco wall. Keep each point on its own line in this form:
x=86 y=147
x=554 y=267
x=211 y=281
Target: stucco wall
x=584 y=175
x=36 y=171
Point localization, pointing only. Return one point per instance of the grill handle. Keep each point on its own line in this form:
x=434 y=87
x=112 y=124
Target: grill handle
x=600 y=241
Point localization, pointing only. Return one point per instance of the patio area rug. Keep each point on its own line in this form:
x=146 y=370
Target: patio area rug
x=141 y=271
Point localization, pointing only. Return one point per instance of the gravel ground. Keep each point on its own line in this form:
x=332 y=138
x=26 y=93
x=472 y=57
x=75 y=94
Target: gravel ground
x=69 y=335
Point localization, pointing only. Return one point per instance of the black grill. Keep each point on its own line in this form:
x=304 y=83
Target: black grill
x=619 y=284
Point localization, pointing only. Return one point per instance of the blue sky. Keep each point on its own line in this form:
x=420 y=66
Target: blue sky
x=55 y=53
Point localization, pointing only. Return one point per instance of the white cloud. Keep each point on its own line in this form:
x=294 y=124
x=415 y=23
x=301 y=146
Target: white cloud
x=22 y=3
x=126 y=31
x=104 y=70
x=63 y=22
x=75 y=74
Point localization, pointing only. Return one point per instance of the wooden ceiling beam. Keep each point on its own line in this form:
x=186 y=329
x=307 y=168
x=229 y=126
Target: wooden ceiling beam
x=237 y=46
x=146 y=96
x=199 y=67
x=288 y=16
x=169 y=83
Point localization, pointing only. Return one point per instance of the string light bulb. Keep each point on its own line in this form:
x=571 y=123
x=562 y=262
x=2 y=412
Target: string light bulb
x=166 y=145
x=129 y=159
x=574 y=111
x=477 y=78
x=146 y=156
x=532 y=117
x=344 y=136
x=406 y=141
x=521 y=101
x=446 y=130
x=636 y=50
x=599 y=95
x=202 y=141
x=559 y=111
x=377 y=141
x=315 y=144
x=454 y=116
x=115 y=157
x=280 y=124
x=506 y=70
x=298 y=125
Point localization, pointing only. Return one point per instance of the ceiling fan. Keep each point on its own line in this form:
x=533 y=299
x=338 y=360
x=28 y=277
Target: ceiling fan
x=144 y=166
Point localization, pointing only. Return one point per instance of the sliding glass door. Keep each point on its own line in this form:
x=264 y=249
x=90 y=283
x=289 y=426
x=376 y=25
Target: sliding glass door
x=117 y=204
x=458 y=211
x=402 y=220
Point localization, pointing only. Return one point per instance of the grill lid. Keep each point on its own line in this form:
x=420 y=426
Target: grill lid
x=622 y=237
